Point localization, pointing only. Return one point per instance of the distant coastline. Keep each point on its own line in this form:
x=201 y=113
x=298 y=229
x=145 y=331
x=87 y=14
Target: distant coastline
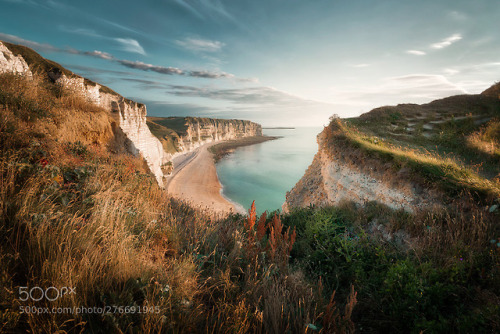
x=278 y=127
x=224 y=148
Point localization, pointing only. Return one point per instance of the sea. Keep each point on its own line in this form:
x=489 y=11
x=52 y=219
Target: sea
x=265 y=172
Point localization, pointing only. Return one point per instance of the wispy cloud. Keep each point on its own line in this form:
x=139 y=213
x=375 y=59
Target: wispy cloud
x=447 y=41
x=412 y=88
x=66 y=8
x=98 y=54
x=416 y=52
x=31 y=44
x=204 y=8
x=478 y=70
x=360 y=65
x=250 y=95
x=146 y=84
x=125 y=44
x=130 y=45
x=81 y=31
x=200 y=45
x=137 y=65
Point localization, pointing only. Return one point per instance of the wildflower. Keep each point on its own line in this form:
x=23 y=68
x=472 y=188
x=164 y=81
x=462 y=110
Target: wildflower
x=43 y=162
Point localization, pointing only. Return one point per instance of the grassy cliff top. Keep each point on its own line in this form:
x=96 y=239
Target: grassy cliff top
x=180 y=124
x=170 y=129
x=493 y=91
x=452 y=142
x=50 y=68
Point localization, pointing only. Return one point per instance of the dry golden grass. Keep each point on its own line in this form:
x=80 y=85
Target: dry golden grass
x=75 y=214
x=487 y=139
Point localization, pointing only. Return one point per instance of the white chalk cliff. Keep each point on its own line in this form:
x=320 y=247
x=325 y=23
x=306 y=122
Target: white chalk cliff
x=130 y=116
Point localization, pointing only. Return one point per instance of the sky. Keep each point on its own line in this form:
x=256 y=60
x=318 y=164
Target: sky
x=276 y=62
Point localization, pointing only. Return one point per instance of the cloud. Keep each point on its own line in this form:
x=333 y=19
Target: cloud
x=200 y=45
x=203 y=8
x=447 y=41
x=125 y=44
x=137 y=65
x=451 y=71
x=31 y=44
x=360 y=65
x=210 y=75
x=167 y=108
x=416 y=52
x=131 y=45
x=413 y=88
x=250 y=95
x=95 y=70
x=99 y=54
x=146 y=84
x=266 y=105
x=81 y=31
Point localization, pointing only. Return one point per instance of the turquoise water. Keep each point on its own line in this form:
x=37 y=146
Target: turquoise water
x=265 y=172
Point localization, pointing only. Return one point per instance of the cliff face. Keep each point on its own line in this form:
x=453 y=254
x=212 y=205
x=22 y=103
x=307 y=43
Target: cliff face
x=339 y=173
x=204 y=130
x=407 y=156
x=129 y=117
x=12 y=63
x=183 y=134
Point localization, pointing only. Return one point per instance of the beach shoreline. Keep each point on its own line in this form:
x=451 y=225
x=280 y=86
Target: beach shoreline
x=194 y=179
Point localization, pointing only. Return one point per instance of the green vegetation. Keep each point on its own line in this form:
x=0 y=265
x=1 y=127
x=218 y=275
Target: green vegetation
x=431 y=272
x=446 y=127
x=176 y=124
x=74 y=213
x=455 y=156
x=168 y=137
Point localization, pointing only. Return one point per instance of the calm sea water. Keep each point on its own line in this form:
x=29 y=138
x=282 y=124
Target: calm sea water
x=266 y=171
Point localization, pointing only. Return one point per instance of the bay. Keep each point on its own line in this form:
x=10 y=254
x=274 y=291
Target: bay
x=265 y=172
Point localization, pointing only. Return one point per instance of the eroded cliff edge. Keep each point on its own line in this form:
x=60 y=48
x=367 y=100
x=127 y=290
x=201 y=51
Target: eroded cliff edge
x=408 y=156
x=129 y=117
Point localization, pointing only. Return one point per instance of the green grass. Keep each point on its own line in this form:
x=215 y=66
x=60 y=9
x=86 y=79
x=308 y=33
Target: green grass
x=446 y=158
x=168 y=137
x=177 y=124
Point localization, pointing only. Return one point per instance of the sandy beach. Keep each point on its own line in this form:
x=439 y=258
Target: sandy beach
x=195 y=180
